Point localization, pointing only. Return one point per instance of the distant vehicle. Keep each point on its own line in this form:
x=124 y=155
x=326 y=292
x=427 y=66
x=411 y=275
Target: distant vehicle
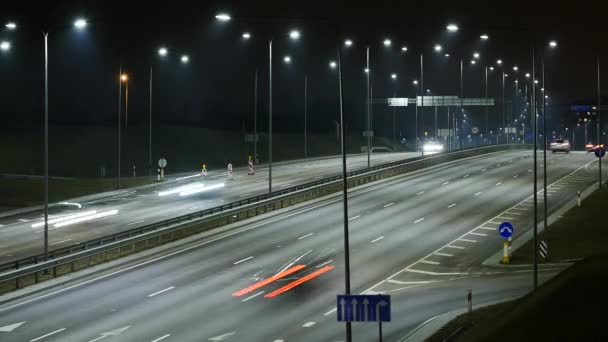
x=431 y=147
x=560 y=145
x=592 y=147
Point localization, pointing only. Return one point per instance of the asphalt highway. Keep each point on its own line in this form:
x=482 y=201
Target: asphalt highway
x=420 y=238
x=22 y=235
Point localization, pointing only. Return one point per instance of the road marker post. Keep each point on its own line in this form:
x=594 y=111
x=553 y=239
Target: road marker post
x=470 y=302
x=158 y=174
x=204 y=172
x=134 y=174
x=230 y=170
x=510 y=241
x=162 y=163
x=251 y=171
x=544 y=250
x=506 y=230
x=578 y=198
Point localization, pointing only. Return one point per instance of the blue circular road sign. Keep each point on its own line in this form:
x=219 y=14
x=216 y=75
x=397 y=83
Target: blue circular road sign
x=600 y=152
x=506 y=230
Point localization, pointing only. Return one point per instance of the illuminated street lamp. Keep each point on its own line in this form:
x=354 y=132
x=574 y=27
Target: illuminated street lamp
x=499 y=61
x=387 y=42
x=223 y=17
x=80 y=23
x=553 y=44
x=515 y=68
x=185 y=59
x=163 y=52
x=5 y=46
x=294 y=35
x=333 y=64
x=394 y=76
x=476 y=55
x=404 y=49
x=287 y=59
x=348 y=43
x=246 y=35
x=11 y=25
x=452 y=28
x=484 y=37
x=473 y=62
x=438 y=48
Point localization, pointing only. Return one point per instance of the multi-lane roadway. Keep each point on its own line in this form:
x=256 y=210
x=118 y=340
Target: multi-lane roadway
x=22 y=235
x=421 y=238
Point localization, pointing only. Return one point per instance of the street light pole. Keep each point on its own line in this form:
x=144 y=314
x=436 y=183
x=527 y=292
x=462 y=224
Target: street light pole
x=599 y=118
x=486 y=85
x=305 y=113
x=270 y=118
x=461 y=102
x=344 y=195
x=421 y=92
x=503 y=108
x=46 y=146
x=150 y=128
x=255 y=117
x=544 y=143
x=535 y=240
x=395 y=122
x=119 y=120
x=369 y=111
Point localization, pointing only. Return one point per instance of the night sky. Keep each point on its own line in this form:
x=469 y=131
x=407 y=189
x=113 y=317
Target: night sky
x=215 y=89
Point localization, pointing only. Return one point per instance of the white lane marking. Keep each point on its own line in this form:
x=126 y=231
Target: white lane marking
x=305 y=236
x=467 y=240
x=325 y=263
x=433 y=273
x=465 y=176
x=114 y=332
x=512 y=213
x=354 y=218
x=243 y=195
x=223 y=336
x=388 y=205
x=451 y=205
x=252 y=296
x=515 y=176
x=444 y=254
x=161 y=338
x=23 y=220
x=527 y=205
x=187 y=177
x=478 y=234
x=309 y=324
x=301 y=256
x=499 y=183
x=515 y=208
x=455 y=247
x=529 y=170
x=506 y=218
x=551 y=191
x=486 y=228
x=399 y=282
x=494 y=221
x=419 y=220
x=484 y=170
x=58 y=242
x=479 y=193
x=446 y=183
x=330 y=312
x=1 y=225
x=429 y=262
x=377 y=239
x=194 y=208
x=47 y=335
x=161 y=291
x=243 y=260
x=278 y=341
x=286 y=185
x=420 y=193
x=136 y=222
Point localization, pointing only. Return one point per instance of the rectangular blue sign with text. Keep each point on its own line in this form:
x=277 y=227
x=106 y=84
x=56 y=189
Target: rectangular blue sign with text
x=364 y=308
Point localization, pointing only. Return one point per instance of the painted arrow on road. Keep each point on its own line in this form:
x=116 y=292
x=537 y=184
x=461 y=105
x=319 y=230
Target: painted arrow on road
x=223 y=337
x=114 y=332
x=9 y=328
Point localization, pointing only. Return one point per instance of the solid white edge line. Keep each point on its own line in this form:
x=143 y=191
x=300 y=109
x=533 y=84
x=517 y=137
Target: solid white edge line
x=388 y=205
x=47 y=335
x=419 y=220
x=451 y=205
x=378 y=239
x=136 y=222
x=306 y=236
x=354 y=218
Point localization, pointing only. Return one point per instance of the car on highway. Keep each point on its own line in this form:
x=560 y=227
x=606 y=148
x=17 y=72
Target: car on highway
x=560 y=145
x=593 y=147
x=431 y=147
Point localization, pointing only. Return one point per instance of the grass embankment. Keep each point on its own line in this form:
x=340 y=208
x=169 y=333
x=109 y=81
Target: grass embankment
x=569 y=307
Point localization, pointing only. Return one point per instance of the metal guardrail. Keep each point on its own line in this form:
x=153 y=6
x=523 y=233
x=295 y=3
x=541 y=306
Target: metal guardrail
x=65 y=260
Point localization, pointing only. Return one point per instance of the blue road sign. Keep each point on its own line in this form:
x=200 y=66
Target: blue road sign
x=506 y=230
x=364 y=308
x=600 y=152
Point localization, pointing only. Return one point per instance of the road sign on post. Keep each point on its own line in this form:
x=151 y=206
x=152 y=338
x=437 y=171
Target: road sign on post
x=600 y=152
x=364 y=308
x=162 y=163
x=506 y=230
